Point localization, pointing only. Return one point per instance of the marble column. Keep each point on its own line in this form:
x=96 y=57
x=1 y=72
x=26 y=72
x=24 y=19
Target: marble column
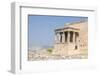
x=63 y=37
x=68 y=37
x=56 y=39
x=59 y=36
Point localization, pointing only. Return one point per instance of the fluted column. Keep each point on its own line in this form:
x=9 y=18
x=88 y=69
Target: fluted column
x=63 y=37
x=58 y=38
x=68 y=39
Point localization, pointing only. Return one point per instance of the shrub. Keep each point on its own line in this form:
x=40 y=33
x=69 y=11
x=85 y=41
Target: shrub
x=49 y=50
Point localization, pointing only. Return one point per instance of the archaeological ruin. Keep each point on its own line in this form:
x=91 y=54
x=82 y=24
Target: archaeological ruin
x=72 y=39
x=71 y=42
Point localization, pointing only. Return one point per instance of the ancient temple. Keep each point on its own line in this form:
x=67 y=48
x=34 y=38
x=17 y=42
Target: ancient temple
x=72 y=39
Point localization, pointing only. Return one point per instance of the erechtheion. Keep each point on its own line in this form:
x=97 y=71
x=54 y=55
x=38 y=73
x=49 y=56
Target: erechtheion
x=71 y=42
x=72 y=39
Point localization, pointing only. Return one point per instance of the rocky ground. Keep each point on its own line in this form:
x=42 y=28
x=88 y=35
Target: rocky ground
x=33 y=57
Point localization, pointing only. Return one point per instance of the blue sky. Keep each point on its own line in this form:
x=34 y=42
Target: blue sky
x=41 y=28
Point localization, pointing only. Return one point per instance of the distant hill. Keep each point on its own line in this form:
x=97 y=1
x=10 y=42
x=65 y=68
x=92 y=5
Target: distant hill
x=48 y=46
x=38 y=48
